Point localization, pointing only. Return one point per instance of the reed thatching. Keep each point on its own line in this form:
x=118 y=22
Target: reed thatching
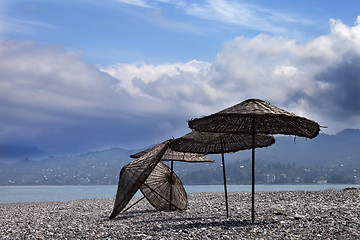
x=255 y=116
x=171 y=155
x=212 y=143
x=134 y=174
x=164 y=190
x=268 y=119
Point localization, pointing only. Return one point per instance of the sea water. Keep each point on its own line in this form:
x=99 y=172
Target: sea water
x=22 y=194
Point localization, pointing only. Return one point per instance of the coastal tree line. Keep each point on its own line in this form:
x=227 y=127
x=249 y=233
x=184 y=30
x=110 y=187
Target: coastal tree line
x=92 y=172
x=333 y=159
x=275 y=173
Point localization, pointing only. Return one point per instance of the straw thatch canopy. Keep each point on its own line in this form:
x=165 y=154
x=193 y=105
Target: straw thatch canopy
x=254 y=116
x=160 y=184
x=134 y=174
x=268 y=119
x=171 y=155
x=212 y=143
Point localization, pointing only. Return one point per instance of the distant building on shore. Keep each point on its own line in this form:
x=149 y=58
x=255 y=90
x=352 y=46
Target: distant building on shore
x=269 y=178
x=321 y=182
x=357 y=180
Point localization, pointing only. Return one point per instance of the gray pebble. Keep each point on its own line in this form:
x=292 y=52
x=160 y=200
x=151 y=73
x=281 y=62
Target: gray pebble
x=329 y=214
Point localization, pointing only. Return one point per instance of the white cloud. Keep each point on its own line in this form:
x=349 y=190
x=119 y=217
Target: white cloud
x=20 y=25
x=132 y=75
x=56 y=98
x=138 y=3
x=240 y=13
x=229 y=12
x=325 y=76
x=49 y=77
x=277 y=69
x=46 y=93
x=286 y=71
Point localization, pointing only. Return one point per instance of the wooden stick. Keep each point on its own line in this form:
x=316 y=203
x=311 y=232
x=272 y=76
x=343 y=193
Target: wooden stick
x=134 y=204
x=253 y=173
x=224 y=176
x=171 y=183
x=161 y=196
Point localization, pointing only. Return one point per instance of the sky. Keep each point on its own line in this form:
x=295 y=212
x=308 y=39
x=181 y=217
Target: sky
x=87 y=75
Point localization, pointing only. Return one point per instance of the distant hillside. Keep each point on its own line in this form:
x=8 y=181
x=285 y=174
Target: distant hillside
x=324 y=150
x=239 y=172
x=335 y=158
x=101 y=167
x=16 y=152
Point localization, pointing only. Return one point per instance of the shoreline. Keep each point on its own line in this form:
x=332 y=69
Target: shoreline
x=281 y=214
x=39 y=193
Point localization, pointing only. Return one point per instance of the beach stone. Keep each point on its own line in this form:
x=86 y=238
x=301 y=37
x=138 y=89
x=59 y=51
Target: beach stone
x=329 y=214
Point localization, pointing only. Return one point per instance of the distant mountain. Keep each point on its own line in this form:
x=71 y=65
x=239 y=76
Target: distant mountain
x=100 y=167
x=335 y=158
x=239 y=172
x=324 y=150
x=17 y=152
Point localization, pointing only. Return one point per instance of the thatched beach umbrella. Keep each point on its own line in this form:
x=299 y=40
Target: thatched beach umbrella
x=213 y=143
x=171 y=155
x=162 y=183
x=134 y=174
x=255 y=116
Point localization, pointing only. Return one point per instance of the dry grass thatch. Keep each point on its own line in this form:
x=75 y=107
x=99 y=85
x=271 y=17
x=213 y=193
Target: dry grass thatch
x=171 y=155
x=212 y=143
x=134 y=174
x=162 y=187
x=268 y=119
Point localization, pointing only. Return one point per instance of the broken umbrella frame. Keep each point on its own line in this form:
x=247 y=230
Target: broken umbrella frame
x=136 y=174
x=171 y=155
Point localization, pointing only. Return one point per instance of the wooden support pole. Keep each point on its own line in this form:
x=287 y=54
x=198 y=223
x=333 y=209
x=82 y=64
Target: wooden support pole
x=134 y=204
x=171 y=182
x=253 y=173
x=224 y=176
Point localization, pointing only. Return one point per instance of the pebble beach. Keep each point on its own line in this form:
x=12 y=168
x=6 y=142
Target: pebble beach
x=328 y=214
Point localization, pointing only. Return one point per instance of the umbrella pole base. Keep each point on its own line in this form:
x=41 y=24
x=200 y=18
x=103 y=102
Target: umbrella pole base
x=224 y=176
x=253 y=173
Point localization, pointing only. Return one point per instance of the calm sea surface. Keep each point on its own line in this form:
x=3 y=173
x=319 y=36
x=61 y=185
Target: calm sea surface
x=21 y=194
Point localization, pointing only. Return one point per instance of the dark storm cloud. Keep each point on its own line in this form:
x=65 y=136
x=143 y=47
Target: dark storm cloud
x=343 y=96
x=54 y=100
